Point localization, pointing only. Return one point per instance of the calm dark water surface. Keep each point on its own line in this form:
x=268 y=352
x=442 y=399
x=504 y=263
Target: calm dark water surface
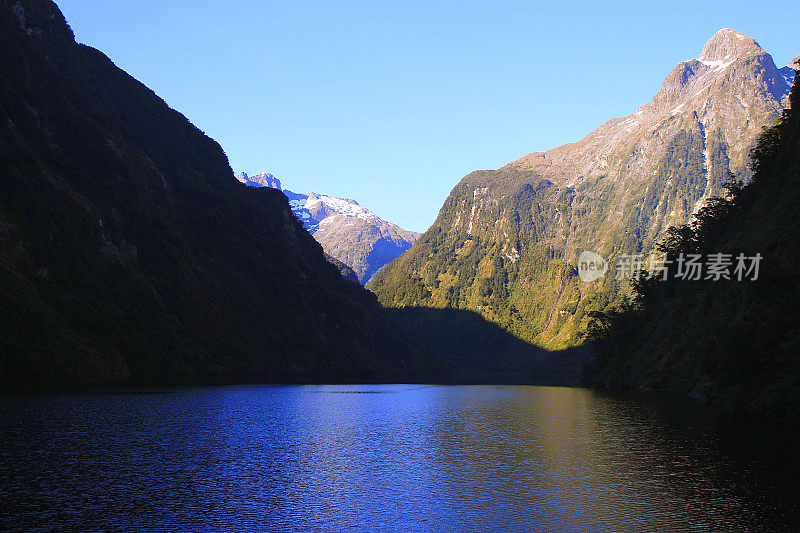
x=390 y=458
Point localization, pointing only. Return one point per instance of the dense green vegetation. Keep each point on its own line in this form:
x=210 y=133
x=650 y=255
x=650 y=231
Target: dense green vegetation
x=735 y=343
x=506 y=241
x=518 y=269
x=511 y=275
x=130 y=254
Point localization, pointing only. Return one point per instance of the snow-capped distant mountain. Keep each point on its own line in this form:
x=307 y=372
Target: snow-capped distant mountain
x=265 y=179
x=346 y=230
x=313 y=209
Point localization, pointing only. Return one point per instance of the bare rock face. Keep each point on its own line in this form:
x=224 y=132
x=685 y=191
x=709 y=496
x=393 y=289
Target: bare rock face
x=730 y=92
x=727 y=45
x=365 y=245
x=719 y=102
x=506 y=241
x=265 y=179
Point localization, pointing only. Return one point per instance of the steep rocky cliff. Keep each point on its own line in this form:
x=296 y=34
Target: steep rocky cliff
x=506 y=241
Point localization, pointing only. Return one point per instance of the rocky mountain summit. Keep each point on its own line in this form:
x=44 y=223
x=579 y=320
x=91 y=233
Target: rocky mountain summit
x=722 y=99
x=346 y=230
x=265 y=179
x=506 y=241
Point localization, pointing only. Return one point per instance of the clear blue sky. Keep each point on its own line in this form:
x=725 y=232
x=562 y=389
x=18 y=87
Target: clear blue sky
x=391 y=103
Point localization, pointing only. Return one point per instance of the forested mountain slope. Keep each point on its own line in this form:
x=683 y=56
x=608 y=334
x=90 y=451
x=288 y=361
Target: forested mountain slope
x=506 y=242
x=130 y=254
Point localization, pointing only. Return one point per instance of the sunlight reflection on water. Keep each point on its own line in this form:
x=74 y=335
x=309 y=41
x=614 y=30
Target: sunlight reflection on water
x=389 y=458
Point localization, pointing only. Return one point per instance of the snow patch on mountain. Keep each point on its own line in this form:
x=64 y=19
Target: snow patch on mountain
x=265 y=179
x=678 y=109
x=342 y=206
x=788 y=74
x=311 y=209
x=718 y=64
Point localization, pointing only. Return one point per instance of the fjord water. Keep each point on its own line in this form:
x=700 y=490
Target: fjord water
x=389 y=458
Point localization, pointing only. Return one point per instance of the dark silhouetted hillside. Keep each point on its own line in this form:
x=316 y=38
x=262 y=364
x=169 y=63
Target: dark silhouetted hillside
x=130 y=254
x=476 y=351
x=735 y=343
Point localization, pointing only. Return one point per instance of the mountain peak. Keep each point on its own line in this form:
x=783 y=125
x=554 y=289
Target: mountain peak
x=727 y=45
x=264 y=179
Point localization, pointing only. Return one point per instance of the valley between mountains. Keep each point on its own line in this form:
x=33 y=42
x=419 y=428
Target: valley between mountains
x=131 y=254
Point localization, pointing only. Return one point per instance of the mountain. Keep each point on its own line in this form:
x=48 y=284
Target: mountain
x=506 y=241
x=265 y=179
x=733 y=342
x=347 y=231
x=130 y=254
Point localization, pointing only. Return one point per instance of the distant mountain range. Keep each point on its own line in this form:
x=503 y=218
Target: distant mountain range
x=506 y=241
x=347 y=231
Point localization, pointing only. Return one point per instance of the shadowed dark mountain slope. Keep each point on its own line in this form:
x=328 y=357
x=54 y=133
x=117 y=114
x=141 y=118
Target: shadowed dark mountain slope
x=130 y=254
x=735 y=343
